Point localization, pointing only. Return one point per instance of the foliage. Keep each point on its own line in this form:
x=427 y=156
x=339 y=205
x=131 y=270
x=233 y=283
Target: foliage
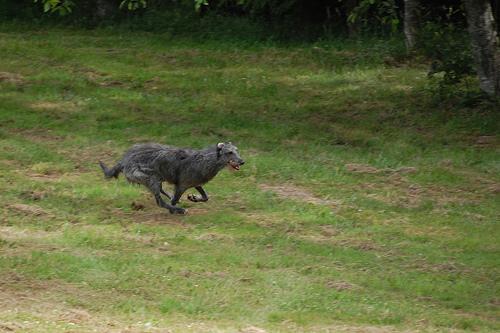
x=198 y=4
x=133 y=4
x=449 y=50
x=62 y=7
x=371 y=13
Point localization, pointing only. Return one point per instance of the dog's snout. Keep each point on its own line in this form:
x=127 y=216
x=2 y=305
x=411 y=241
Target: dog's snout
x=242 y=162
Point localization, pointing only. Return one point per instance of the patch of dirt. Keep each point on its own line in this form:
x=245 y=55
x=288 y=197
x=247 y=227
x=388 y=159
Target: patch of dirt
x=13 y=78
x=44 y=177
x=38 y=135
x=447 y=267
x=252 y=329
x=486 y=141
x=154 y=83
x=289 y=191
x=100 y=78
x=495 y=301
x=144 y=239
x=363 y=168
x=330 y=235
x=75 y=316
x=22 y=242
x=328 y=230
x=14 y=233
x=339 y=285
x=28 y=209
x=212 y=236
x=363 y=245
x=59 y=106
x=137 y=206
x=218 y=275
x=359 y=329
x=32 y=305
x=359 y=244
x=111 y=83
x=396 y=190
x=495 y=189
x=34 y=195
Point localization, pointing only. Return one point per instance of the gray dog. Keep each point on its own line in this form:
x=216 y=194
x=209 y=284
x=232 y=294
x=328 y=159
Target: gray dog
x=151 y=164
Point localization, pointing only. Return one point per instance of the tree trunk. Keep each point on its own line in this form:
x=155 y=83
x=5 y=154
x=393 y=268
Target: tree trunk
x=411 y=23
x=485 y=50
x=352 y=27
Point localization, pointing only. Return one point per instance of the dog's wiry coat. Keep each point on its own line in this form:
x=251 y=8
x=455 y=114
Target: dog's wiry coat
x=152 y=164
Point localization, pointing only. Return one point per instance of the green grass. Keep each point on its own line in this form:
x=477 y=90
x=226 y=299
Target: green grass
x=413 y=251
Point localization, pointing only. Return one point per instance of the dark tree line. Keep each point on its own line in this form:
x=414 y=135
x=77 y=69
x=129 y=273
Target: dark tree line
x=301 y=18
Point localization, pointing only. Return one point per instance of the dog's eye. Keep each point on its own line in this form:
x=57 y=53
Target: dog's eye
x=230 y=153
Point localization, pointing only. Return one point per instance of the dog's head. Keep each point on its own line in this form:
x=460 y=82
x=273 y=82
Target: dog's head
x=228 y=153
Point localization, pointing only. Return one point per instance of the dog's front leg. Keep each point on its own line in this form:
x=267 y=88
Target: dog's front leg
x=196 y=198
x=155 y=187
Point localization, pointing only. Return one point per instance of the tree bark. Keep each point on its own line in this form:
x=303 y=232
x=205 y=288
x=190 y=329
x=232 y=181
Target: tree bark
x=484 y=42
x=352 y=27
x=411 y=23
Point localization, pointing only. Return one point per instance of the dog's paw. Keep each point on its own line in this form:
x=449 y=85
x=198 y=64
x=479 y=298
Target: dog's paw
x=178 y=210
x=192 y=197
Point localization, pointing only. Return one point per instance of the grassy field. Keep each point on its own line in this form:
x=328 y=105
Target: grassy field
x=365 y=205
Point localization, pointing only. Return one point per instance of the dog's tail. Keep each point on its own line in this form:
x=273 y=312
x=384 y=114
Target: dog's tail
x=113 y=172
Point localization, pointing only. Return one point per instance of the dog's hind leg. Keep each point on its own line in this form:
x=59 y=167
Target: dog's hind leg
x=155 y=187
x=196 y=198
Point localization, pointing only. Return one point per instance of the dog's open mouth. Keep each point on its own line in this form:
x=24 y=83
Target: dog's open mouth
x=234 y=165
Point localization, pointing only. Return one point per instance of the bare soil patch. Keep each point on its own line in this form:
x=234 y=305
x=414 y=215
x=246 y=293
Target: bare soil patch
x=28 y=305
x=59 y=106
x=252 y=329
x=22 y=242
x=38 y=135
x=28 y=209
x=34 y=195
x=99 y=78
x=359 y=329
x=339 y=285
x=487 y=141
x=212 y=236
x=398 y=191
x=13 y=78
x=450 y=267
x=44 y=177
x=15 y=233
x=289 y=191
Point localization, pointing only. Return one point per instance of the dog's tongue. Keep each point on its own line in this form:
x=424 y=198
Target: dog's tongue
x=234 y=165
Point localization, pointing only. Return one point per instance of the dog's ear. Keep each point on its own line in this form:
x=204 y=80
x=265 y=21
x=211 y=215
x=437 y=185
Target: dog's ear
x=220 y=145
